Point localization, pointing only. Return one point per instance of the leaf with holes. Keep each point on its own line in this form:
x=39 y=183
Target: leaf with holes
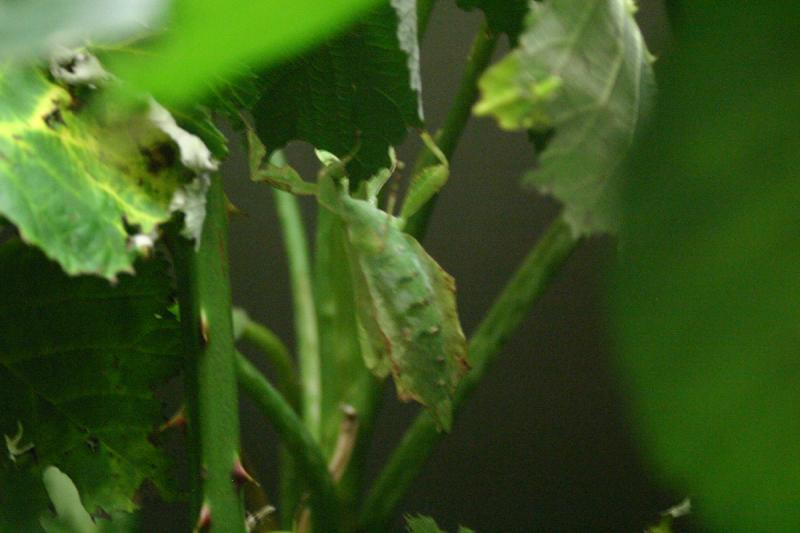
x=405 y=302
x=76 y=183
x=581 y=70
x=359 y=92
x=78 y=359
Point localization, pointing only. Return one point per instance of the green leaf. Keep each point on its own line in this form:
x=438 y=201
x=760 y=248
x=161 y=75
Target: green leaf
x=356 y=93
x=33 y=27
x=78 y=358
x=503 y=16
x=426 y=524
x=208 y=41
x=405 y=303
x=582 y=70
x=707 y=295
x=73 y=182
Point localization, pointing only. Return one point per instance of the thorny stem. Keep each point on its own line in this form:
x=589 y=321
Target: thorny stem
x=298 y=440
x=278 y=356
x=506 y=314
x=447 y=137
x=210 y=377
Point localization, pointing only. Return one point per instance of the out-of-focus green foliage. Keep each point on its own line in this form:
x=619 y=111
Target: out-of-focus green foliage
x=208 y=40
x=30 y=28
x=708 y=292
x=581 y=69
x=359 y=92
x=78 y=359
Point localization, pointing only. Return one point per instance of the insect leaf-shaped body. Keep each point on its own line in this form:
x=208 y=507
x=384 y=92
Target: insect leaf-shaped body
x=406 y=306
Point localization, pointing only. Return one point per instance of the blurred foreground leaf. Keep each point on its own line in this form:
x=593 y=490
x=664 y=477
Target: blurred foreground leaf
x=708 y=293
x=583 y=71
x=209 y=40
x=78 y=359
x=33 y=27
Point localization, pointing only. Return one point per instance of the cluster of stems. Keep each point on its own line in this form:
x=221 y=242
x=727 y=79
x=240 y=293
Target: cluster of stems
x=214 y=367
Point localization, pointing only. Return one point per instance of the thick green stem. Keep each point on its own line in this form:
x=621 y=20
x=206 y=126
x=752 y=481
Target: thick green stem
x=298 y=440
x=305 y=315
x=457 y=117
x=506 y=314
x=210 y=375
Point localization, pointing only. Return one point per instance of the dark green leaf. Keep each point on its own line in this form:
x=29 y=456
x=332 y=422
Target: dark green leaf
x=506 y=16
x=78 y=358
x=581 y=69
x=358 y=92
x=708 y=299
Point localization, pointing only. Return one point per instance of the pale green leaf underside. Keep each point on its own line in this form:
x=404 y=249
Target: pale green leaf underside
x=68 y=183
x=582 y=69
x=78 y=359
x=356 y=94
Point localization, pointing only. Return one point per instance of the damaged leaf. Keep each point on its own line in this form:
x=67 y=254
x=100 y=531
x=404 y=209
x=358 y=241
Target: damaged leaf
x=76 y=379
x=581 y=72
x=80 y=180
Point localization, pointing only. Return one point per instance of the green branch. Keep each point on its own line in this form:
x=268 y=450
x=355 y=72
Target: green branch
x=305 y=314
x=506 y=314
x=210 y=376
x=457 y=117
x=298 y=440
x=276 y=353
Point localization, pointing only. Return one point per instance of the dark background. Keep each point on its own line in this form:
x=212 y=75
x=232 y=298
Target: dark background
x=545 y=444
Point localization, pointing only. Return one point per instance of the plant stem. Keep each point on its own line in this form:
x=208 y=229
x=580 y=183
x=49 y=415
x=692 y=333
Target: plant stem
x=210 y=376
x=506 y=314
x=278 y=356
x=305 y=315
x=447 y=137
x=298 y=440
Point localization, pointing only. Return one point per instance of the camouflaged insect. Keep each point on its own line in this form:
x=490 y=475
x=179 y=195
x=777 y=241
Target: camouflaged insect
x=405 y=300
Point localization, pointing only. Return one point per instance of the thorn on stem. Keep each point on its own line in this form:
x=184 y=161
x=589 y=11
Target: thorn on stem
x=204 y=520
x=240 y=476
x=204 y=327
x=178 y=420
